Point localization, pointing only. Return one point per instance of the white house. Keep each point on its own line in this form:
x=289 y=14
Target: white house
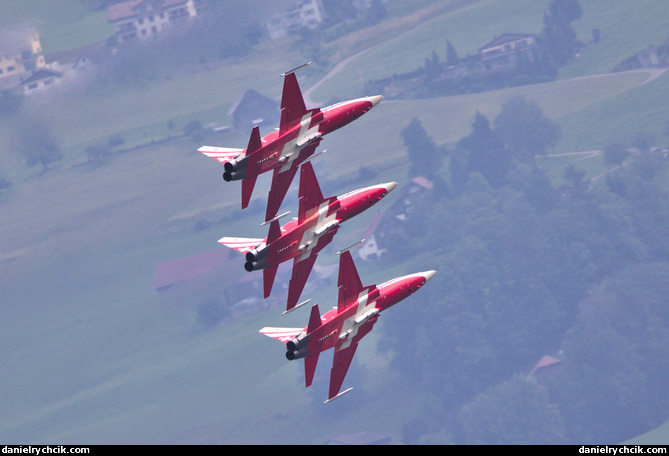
x=20 y=55
x=145 y=18
x=304 y=13
x=41 y=79
x=502 y=52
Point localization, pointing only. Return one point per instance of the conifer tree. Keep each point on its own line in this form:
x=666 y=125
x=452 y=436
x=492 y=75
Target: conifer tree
x=451 y=54
x=558 y=34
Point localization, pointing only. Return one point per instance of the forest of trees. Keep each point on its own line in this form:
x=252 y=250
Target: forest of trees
x=527 y=266
x=530 y=267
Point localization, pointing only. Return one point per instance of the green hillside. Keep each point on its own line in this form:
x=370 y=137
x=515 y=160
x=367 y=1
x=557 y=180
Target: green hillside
x=92 y=354
x=658 y=436
x=62 y=25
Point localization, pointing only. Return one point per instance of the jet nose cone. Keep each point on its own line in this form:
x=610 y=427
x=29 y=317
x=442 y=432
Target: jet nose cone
x=429 y=274
x=390 y=186
x=376 y=99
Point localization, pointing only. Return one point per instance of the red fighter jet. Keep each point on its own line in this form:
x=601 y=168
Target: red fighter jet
x=301 y=239
x=357 y=310
x=282 y=151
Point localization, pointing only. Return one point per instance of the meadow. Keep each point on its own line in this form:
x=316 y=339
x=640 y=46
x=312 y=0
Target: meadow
x=657 y=436
x=62 y=25
x=91 y=353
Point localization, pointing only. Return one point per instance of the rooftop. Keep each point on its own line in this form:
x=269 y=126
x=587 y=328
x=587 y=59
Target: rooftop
x=127 y=10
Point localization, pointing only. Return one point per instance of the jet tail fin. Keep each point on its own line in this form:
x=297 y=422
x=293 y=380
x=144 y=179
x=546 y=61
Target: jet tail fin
x=274 y=232
x=314 y=319
x=292 y=103
x=255 y=143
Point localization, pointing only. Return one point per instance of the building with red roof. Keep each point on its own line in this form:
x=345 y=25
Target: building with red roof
x=545 y=365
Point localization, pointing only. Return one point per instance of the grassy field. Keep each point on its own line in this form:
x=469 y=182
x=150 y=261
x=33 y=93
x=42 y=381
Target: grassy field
x=658 y=436
x=621 y=37
x=92 y=354
x=146 y=113
x=639 y=110
x=141 y=114
x=408 y=51
x=62 y=25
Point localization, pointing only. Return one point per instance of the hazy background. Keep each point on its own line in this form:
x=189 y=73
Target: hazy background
x=565 y=254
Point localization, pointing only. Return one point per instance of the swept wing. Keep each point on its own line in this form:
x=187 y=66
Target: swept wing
x=241 y=245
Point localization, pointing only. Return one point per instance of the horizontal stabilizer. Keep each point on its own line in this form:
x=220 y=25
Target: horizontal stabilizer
x=281 y=334
x=242 y=245
x=314 y=319
x=220 y=154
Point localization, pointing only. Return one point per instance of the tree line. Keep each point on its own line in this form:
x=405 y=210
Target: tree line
x=556 y=45
x=529 y=267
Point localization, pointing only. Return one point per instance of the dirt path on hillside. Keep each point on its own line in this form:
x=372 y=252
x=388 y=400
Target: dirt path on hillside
x=337 y=68
x=588 y=154
x=378 y=34
x=582 y=155
x=654 y=74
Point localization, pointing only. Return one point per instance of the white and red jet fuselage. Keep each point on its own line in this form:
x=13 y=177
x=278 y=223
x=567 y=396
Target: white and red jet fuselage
x=282 y=151
x=281 y=148
x=340 y=328
x=302 y=239
x=344 y=326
